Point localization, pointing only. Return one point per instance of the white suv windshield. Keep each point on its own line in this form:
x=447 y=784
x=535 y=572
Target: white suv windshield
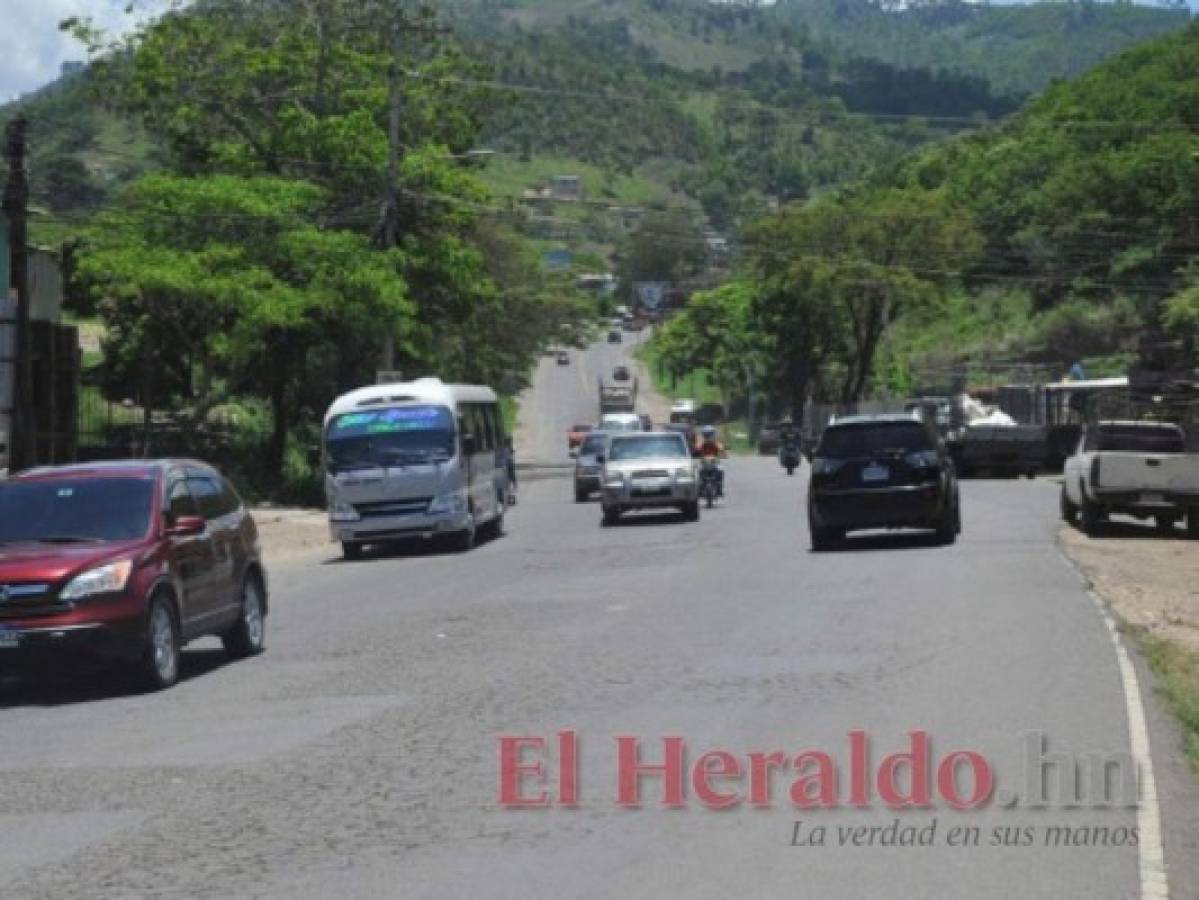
x=650 y=446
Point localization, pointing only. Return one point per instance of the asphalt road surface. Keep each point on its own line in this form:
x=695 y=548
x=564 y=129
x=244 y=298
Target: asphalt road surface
x=358 y=756
x=562 y=396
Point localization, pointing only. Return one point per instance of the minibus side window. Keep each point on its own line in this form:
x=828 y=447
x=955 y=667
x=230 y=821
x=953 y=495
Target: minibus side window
x=486 y=413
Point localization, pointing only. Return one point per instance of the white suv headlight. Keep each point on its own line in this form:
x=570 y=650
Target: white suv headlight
x=684 y=474
x=343 y=512
x=613 y=480
x=453 y=502
x=107 y=579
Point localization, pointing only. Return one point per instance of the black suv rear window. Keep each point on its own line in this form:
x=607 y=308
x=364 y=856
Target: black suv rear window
x=868 y=438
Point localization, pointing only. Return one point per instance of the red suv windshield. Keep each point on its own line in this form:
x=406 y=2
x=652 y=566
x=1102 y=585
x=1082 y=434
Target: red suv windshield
x=75 y=509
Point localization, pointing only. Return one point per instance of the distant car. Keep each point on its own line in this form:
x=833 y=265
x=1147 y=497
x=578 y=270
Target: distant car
x=688 y=431
x=614 y=336
x=647 y=424
x=575 y=435
x=648 y=470
x=768 y=440
x=619 y=422
x=588 y=465
x=885 y=471
x=621 y=373
x=563 y=358
x=127 y=562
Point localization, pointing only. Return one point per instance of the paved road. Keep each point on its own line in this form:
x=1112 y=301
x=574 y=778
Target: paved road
x=357 y=757
x=561 y=396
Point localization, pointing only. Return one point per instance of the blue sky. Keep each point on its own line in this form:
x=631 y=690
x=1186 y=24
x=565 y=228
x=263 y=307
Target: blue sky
x=31 y=47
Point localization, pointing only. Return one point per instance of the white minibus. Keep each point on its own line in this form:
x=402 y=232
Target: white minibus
x=415 y=459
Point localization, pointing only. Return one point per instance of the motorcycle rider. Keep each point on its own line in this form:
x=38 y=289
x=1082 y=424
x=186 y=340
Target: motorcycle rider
x=710 y=448
x=789 y=442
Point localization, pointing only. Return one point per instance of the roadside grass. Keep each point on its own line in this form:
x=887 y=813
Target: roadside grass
x=1177 y=670
x=510 y=409
x=697 y=385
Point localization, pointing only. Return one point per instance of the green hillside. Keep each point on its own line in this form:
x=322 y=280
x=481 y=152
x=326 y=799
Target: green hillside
x=680 y=102
x=1070 y=233
x=1018 y=49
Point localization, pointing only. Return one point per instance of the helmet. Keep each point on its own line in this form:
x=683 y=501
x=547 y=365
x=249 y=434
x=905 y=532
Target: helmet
x=708 y=431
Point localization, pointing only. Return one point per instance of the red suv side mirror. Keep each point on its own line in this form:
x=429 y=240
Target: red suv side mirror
x=186 y=526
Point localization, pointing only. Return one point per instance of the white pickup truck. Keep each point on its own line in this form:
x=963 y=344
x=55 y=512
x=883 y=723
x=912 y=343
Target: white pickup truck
x=1139 y=469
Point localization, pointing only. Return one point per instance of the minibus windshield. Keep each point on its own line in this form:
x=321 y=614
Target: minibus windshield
x=390 y=437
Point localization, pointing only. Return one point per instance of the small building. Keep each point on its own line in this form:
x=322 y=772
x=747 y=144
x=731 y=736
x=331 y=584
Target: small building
x=566 y=187
x=597 y=283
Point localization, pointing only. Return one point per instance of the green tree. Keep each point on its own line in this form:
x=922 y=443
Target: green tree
x=195 y=311
x=668 y=245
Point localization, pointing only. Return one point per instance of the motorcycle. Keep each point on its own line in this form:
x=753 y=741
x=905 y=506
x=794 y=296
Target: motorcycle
x=789 y=457
x=709 y=482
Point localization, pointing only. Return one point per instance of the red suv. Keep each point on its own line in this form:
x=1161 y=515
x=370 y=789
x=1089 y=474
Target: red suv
x=127 y=562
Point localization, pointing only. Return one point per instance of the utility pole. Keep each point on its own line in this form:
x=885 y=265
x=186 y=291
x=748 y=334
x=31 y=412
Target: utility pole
x=389 y=233
x=21 y=442
x=391 y=213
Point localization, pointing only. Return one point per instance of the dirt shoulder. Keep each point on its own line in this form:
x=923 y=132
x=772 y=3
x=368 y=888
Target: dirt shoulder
x=1150 y=581
x=292 y=536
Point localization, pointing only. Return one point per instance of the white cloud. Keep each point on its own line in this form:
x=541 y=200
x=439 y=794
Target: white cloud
x=32 y=49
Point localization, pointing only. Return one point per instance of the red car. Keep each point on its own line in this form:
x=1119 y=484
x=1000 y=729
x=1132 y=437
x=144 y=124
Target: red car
x=127 y=562
x=575 y=435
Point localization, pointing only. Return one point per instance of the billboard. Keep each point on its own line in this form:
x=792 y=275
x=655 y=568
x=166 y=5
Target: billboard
x=651 y=295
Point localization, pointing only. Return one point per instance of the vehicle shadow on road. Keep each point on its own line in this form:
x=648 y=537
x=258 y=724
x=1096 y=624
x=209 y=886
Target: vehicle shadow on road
x=642 y=520
x=47 y=685
x=1138 y=531
x=908 y=540
x=413 y=548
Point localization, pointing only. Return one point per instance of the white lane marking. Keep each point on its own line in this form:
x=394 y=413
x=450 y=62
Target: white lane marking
x=1152 y=855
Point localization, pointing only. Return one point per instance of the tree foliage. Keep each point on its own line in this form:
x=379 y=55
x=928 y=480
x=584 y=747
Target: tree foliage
x=258 y=263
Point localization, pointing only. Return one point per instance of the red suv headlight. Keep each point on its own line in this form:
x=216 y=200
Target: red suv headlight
x=110 y=578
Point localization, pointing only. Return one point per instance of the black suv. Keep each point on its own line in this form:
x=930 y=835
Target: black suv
x=882 y=471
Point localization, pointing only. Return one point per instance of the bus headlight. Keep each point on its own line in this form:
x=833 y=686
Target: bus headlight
x=452 y=503
x=343 y=512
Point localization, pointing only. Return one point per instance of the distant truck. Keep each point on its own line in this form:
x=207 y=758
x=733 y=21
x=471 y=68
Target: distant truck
x=682 y=412
x=998 y=450
x=1141 y=469
x=617 y=397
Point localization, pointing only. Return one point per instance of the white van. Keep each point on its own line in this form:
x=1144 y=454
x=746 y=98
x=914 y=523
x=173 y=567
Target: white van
x=417 y=459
